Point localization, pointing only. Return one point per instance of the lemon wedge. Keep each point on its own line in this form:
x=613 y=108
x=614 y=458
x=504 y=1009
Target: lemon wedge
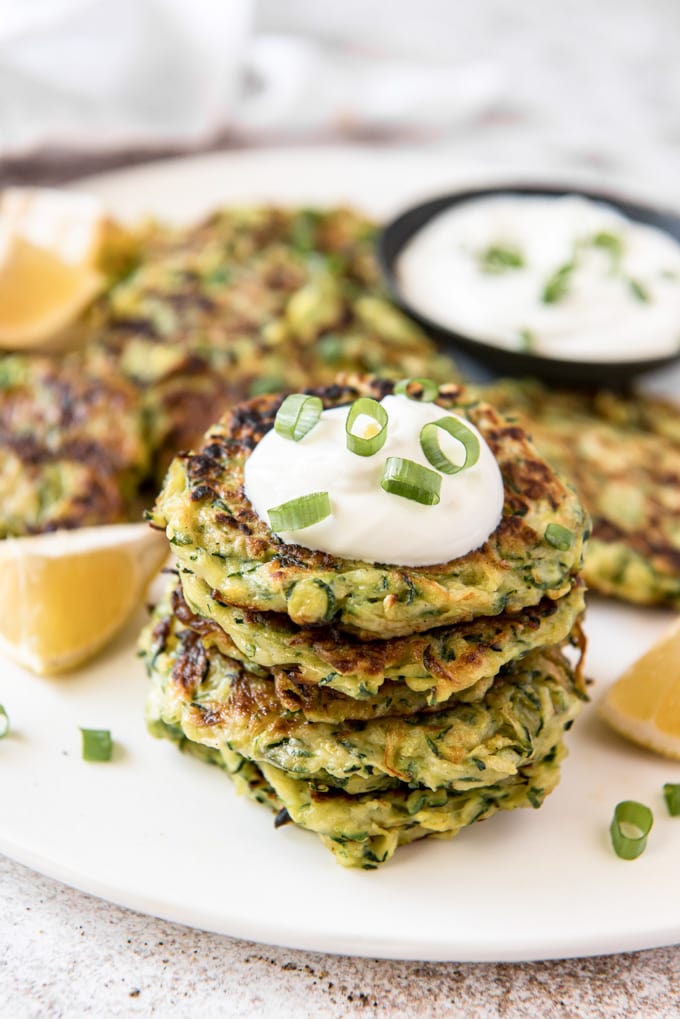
x=644 y=703
x=64 y=595
x=56 y=248
x=40 y=296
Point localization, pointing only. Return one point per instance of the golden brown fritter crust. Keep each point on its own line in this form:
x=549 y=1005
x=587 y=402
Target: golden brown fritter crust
x=308 y=661
x=216 y=701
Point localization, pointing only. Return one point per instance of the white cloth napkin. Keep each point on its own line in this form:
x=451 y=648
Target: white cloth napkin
x=99 y=74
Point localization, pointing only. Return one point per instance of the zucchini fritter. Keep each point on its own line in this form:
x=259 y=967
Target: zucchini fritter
x=248 y=301
x=434 y=665
x=623 y=456
x=365 y=830
x=72 y=445
x=217 y=535
x=215 y=701
x=253 y=300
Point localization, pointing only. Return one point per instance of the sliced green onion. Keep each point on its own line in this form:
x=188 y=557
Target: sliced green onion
x=497 y=259
x=559 y=537
x=297 y=415
x=429 y=442
x=639 y=291
x=302 y=512
x=631 y=824
x=611 y=242
x=366 y=445
x=557 y=285
x=4 y=722
x=411 y=481
x=527 y=339
x=97 y=744
x=429 y=390
x=671 y=794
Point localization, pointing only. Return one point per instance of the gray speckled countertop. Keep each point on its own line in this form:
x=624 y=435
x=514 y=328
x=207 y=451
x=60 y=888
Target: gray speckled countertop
x=64 y=954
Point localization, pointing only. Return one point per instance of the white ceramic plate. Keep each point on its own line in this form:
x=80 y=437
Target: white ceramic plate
x=157 y=831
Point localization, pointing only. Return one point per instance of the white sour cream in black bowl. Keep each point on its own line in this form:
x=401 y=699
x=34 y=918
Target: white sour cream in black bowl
x=570 y=286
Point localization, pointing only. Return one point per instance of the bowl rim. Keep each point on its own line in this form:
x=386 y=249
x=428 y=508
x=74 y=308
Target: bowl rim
x=396 y=233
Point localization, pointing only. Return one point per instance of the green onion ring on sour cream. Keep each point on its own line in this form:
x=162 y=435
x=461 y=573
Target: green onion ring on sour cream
x=367 y=522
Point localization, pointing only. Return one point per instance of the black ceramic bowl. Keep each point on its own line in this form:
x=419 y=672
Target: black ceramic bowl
x=394 y=237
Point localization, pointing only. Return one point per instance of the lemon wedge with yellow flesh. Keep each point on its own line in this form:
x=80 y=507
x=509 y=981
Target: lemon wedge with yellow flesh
x=644 y=703
x=55 y=250
x=64 y=595
x=40 y=295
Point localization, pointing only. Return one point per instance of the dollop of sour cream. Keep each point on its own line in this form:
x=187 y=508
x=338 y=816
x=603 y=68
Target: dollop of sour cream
x=367 y=522
x=565 y=277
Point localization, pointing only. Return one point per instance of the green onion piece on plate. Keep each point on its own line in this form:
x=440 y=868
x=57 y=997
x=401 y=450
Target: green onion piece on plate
x=411 y=481
x=366 y=445
x=631 y=824
x=671 y=794
x=559 y=537
x=297 y=415
x=97 y=744
x=4 y=722
x=424 y=390
x=429 y=442
x=302 y=512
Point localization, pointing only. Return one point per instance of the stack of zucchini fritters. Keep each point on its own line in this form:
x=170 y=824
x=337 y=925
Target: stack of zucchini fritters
x=373 y=704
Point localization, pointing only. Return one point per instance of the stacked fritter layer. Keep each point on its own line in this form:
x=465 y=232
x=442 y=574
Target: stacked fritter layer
x=372 y=704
